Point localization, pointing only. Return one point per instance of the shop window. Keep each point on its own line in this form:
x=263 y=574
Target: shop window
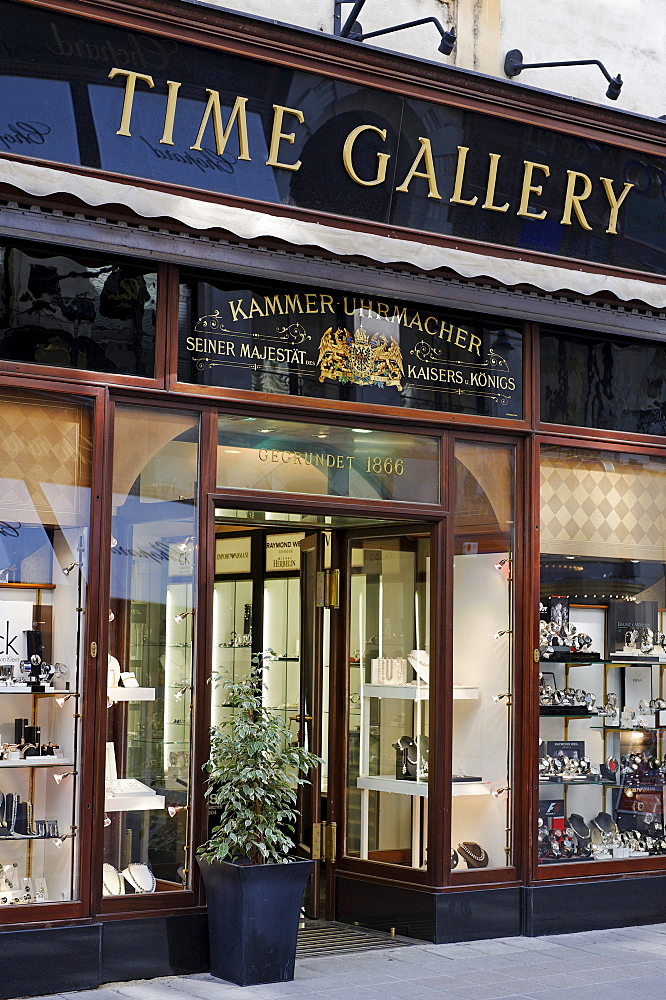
x=602 y=756
x=483 y=624
x=45 y=451
x=151 y=635
x=70 y=309
x=589 y=380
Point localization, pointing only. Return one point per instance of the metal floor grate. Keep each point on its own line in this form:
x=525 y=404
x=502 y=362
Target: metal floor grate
x=321 y=937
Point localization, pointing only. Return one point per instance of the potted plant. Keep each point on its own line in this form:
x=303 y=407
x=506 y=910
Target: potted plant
x=254 y=888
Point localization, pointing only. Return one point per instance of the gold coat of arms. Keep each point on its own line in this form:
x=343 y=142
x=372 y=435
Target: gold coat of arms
x=361 y=358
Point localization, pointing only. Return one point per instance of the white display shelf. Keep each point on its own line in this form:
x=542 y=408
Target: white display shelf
x=133 y=803
x=462 y=692
x=385 y=783
x=414 y=692
x=406 y=692
x=131 y=694
x=38 y=762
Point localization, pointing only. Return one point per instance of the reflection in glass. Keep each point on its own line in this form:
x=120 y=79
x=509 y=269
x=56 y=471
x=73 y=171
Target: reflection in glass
x=602 y=757
x=482 y=655
x=151 y=635
x=79 y=311
x=389 y=673
x=45 y=455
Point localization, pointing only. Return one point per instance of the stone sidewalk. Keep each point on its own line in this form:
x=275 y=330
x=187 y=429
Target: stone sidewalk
x=597 y=965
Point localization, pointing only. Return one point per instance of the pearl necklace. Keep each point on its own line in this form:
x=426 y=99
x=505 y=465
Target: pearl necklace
x=108 y=872
x=465 y=849
x=137 y=875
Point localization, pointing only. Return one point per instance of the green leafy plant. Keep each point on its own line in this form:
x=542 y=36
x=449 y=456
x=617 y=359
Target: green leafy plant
x=253 y=774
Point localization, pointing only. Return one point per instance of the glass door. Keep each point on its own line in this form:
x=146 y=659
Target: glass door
x=389 y=677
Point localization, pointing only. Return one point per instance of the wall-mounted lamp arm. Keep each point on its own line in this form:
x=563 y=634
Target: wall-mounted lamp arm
x=514 y=65
x=350 y=29
x=349 y=23
x=445 y=46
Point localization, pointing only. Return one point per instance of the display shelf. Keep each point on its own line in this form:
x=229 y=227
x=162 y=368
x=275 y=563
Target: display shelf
x=131 y=694
x=626 y=662
x=568 y=715
x=404 y=692
x=463 y=692
x=630 y=729
x=38 y=762
x=579 y=782
x=133 y=803
x=385 y=783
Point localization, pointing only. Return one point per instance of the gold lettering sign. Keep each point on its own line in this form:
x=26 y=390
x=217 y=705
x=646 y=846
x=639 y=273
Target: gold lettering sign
x=579 y=187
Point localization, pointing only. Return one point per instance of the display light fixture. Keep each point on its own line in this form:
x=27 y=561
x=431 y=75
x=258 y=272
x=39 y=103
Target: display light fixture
x=174 y=810
x=497 y=698
x=181 y=618
x=352 y=29
x=504 y=631
x=186 y=544
x=59 y=776
x=500 y=793
x=59 y=841
x=179 y=694
x=68 y=569
x=514 y=65
x=62 y=698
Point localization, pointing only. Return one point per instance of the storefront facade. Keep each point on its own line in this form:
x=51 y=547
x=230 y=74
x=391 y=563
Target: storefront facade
x=357 y=369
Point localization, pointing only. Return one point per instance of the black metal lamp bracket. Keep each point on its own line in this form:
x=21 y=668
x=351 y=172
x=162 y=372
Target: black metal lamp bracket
x=514 y=65
x=352 y=29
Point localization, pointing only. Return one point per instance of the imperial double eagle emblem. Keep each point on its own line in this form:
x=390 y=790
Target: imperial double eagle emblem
x=361 y=358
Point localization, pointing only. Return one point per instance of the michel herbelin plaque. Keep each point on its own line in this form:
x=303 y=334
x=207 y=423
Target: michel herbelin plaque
x=335 y=346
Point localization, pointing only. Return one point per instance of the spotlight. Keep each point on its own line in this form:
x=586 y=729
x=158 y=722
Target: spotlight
x=68 y=569
x=62 y=698
x=186 y=543
x=179 y=694
x=114 y=542
x=497 y=698
x=504 y=631
x=500 y=793
x=112 y=617
x=107 y=820
x=174 y=810
x=181 y=618
x=448 y=42
x=59 y=777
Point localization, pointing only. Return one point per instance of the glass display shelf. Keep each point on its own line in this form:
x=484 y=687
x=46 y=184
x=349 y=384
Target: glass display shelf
x=38 y=762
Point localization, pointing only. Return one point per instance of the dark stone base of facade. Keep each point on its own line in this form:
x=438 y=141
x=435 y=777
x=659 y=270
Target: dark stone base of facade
x=595 y=905
x=60 y=959
x=429 y=916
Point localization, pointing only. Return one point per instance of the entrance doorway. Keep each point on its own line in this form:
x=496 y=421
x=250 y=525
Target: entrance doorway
x=334 y=607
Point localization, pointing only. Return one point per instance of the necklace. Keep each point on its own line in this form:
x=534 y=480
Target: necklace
x=140 y=878
x=109 y=873
x=465 y=848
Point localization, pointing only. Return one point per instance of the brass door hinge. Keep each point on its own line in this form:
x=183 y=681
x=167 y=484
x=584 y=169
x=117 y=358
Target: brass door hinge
x=328 y=589
x=316 y=841
x=324 y=839
x=330 y=840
